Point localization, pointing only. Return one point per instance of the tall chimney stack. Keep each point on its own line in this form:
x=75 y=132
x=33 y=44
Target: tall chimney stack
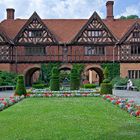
x=109 y=8
x=10 y=13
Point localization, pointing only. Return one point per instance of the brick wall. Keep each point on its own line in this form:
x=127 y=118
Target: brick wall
x=124 y=67
x=5 y=67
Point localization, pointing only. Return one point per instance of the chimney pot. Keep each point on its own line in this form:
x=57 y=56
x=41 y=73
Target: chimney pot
x=109 y=7
x=10 y=13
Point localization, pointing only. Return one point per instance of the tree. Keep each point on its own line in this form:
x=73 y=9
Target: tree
x=45 y=72
x=130 y=17
x=106 y=86
x=74 y=80
x=106 y=73
x=122 y=17
x=20 y=87
x=54 y=82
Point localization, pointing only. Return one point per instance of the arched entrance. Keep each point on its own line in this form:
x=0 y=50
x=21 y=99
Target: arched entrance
x=31 y=75
x=65 y=75
x=94 y=74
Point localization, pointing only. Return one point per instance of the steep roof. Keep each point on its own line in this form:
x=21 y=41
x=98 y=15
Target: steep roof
x=66 y=29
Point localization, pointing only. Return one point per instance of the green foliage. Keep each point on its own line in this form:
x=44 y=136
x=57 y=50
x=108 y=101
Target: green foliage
x=45 y=72
x=130 y=17
x=119 y=81
x=113 y=68
x=136 y=82
x=123 y=81
x=89 y=86
x=20 y=87
x=7 y=78
x=122 y=17
x=39 y=86
x=106 y=80
x=63 y=75
x=106 y=88
x=79 y=67
x=106 y=73
x=54 y=82
x=74 y=80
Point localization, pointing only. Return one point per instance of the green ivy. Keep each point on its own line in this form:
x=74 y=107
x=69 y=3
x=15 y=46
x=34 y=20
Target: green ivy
x=20 y=86
x=7 y=78
x=45 y=72
x=113 y=68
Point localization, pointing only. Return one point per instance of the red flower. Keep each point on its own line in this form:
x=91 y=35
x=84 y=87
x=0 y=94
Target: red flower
x=138 y=113
x=5 y=103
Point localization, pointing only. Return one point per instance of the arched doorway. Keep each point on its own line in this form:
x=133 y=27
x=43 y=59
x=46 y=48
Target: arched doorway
x=31 y=75
x=94 y=75
x=64 y=75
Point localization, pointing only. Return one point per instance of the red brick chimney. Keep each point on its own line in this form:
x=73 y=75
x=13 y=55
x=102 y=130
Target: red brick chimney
x=10 y=13
x=109 y=8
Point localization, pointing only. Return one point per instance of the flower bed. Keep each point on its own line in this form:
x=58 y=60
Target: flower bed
x=6 y=102
x=43 y=91
x=124 y=104
x=63 y=95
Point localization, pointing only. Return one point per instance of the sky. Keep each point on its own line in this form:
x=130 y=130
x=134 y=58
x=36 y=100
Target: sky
x=54 y=9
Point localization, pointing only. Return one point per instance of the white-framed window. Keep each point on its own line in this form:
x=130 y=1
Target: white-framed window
x=35 y=33
x=134 y=74
x=94 y=50
x=94 y=33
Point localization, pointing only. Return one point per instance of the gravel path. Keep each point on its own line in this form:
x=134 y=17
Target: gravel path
x=131 y=95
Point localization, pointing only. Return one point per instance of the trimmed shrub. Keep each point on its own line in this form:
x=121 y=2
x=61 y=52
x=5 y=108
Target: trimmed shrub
x=54 y=82
x=74 y=80
x=20 y=87
x=39 y=86
x=113 y=68
x=89 y=86
x=106 y=88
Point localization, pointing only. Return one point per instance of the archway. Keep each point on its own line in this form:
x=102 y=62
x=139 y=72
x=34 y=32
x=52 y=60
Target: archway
x=94 y=74
x=31 y=75
x=65 y=75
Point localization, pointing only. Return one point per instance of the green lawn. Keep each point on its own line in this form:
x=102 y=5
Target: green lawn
x=83 y=118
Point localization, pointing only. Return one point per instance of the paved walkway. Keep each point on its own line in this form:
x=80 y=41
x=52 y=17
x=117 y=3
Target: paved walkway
x=7 y=93
x=134 y=95
x=131 y=95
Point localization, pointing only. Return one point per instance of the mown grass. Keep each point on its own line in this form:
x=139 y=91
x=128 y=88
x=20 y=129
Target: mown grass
x=83 y=118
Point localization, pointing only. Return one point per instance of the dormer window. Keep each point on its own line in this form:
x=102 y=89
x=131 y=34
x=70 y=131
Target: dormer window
x=35 y=33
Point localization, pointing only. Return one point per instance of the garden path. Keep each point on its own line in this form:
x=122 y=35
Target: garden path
x=6 y=93
x=131 y=95
x=134 y=95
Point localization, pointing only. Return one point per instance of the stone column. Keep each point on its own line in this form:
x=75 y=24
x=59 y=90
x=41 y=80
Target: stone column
x=90 y=76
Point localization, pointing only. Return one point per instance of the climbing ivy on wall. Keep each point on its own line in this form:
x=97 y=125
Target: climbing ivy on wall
x=113 y=68
x=45 y=71
x=79 y=67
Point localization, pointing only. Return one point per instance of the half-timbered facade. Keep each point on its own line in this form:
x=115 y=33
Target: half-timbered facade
x=26 y=43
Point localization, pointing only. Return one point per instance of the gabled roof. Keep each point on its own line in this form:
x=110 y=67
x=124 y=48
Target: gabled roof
x=65 y=30
x=136 y=25
x=41 y=25
x=96 y=17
